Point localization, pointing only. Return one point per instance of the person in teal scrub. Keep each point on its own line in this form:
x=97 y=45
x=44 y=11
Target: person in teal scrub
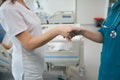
x=109 y=35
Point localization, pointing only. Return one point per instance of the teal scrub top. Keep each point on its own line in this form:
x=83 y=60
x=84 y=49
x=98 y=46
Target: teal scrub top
x=110 y=55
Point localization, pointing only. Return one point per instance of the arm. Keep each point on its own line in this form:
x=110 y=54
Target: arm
x=94 y=36
x=31 y=43
x=16 y=23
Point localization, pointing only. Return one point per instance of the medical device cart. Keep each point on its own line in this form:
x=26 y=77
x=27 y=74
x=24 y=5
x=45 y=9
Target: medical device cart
x=61 y=54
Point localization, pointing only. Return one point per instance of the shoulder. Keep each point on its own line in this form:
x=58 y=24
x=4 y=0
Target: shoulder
x=8 y=7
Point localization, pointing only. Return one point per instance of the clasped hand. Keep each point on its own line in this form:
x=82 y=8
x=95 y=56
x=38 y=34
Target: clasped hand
x=72 y=34
x=69 y=32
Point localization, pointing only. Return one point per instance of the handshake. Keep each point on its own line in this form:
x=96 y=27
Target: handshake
x=69 y=32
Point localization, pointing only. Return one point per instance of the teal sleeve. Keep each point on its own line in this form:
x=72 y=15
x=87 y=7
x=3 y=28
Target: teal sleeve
x=102 y=31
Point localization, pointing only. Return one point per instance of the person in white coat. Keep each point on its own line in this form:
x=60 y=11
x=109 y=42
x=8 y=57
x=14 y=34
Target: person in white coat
x=24 y=30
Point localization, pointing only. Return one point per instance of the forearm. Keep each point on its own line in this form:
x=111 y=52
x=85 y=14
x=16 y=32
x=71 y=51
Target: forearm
x=42 y=39
x=94 y=36
x=31 y=42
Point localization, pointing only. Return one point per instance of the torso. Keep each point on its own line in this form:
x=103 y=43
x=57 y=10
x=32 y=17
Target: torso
x=33 y=58
x=110 y=56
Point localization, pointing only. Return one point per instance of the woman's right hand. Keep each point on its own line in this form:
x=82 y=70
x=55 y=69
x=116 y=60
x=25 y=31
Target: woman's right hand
x=67 y=32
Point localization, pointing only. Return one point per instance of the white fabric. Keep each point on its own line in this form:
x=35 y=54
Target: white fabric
x=16 y=19
x=6 y=40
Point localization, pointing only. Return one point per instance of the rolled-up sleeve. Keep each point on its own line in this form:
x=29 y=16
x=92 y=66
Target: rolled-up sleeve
x=15 y=21
x=102 y=30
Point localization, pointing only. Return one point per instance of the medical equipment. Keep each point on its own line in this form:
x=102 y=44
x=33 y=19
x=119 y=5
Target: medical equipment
x=63 y=53
x=62 y=17
x=5 y=60
x=113 y=33
x=42 y=16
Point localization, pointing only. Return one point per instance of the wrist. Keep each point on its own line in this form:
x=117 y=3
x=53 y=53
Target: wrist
x=80 y=32
x=56 y=31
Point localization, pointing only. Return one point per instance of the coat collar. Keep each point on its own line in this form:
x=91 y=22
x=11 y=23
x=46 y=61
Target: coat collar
x=116 y=4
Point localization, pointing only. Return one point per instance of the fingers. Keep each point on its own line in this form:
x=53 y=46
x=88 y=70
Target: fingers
x=75 y=33
x=67 y=36
x=69 y=32
x=70 y=35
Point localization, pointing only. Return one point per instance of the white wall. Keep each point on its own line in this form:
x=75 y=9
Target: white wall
x=30 y=3
x=88 y=9
x=52 y=6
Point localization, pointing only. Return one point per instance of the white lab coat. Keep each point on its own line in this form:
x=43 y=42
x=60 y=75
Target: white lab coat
x=16 y=19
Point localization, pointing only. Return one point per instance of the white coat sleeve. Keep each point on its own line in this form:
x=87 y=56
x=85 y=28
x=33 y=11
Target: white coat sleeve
x=15 y=21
